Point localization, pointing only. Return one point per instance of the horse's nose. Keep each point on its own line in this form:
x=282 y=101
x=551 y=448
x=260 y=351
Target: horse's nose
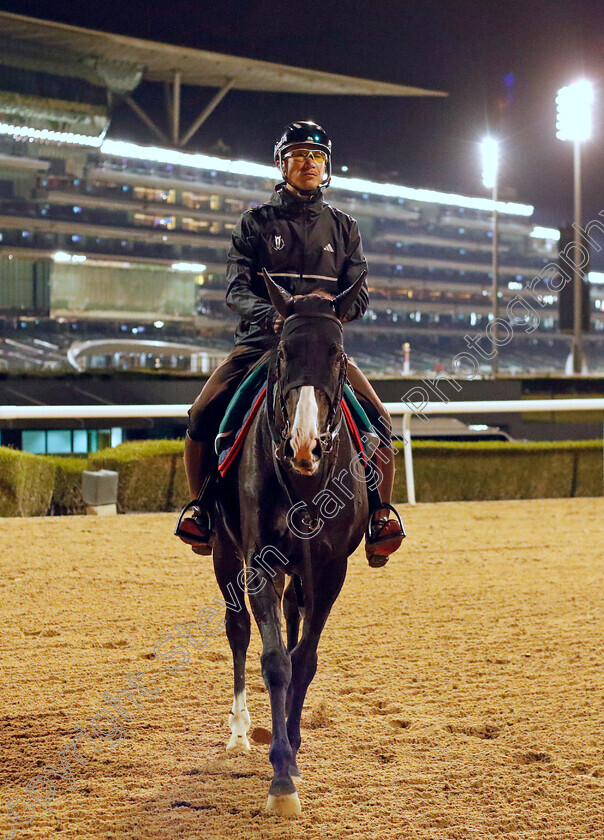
x=307 y=460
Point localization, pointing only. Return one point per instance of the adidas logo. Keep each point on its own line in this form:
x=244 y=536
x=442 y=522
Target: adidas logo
x=328 y=247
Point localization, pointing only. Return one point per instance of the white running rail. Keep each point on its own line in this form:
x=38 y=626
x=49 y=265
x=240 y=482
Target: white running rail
x=117 y=412
x=486 y=407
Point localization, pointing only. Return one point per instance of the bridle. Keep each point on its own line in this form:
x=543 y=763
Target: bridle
x=281 y=433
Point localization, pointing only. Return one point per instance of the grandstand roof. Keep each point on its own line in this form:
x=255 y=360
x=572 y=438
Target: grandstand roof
x=159 y=62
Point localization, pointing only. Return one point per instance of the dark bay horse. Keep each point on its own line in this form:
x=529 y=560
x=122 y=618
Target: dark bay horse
x=271 y=522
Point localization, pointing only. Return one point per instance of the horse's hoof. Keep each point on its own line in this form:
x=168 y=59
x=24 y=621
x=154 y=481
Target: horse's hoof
x=238 y=744
x=284 y=806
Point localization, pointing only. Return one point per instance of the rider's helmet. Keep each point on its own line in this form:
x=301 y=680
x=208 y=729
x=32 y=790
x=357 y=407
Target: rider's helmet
x=311 y=135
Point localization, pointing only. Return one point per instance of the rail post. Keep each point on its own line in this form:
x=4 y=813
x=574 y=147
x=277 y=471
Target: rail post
x=409 y=476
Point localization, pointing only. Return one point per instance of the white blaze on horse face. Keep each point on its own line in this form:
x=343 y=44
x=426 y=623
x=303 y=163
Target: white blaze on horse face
x=239 y=721
x=305 y=430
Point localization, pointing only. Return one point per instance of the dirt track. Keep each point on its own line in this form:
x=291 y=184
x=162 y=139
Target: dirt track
x=459 y=693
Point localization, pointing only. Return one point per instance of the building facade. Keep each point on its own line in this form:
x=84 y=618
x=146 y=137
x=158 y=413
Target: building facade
x=134 y=234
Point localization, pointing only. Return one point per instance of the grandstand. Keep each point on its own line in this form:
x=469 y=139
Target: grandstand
x=102 y=239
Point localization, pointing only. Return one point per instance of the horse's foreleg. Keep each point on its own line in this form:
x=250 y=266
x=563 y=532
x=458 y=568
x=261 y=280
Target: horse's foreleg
x=276 y=673
x=291 y=610
x=238 y=632
x=227 y=566
x=304 y=656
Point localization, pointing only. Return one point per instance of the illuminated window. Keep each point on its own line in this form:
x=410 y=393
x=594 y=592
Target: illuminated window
x=165 y=222
x=196 y=200
x=194 y=225
x=67 y=441
x=148 y=194
x=235 y=205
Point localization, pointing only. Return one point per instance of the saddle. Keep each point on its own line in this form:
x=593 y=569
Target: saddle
x=247 y=401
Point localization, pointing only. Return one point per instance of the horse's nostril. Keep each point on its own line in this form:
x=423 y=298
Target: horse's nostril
x=317 y=451
x=287 y=449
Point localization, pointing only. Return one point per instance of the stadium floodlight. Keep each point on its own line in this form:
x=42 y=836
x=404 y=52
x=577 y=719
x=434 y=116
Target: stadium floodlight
x=574 y=111
x=539 y=232
x=490 y=161
x=49 y=136
x=64 y=257
x=490 y=172
x=574 y=123
x=133 y=151
x=196 y=268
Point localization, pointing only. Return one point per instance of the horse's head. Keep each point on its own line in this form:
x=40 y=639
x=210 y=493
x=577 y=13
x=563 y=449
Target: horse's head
x=311 y=371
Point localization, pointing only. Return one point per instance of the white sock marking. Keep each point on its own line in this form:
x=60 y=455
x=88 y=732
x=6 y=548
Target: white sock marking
x=239 y=721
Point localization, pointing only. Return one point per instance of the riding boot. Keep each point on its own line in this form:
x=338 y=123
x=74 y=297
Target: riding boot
x=384 y=535
x=196 y=529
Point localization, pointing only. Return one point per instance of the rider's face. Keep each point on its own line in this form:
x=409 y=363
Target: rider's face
x=304 y=171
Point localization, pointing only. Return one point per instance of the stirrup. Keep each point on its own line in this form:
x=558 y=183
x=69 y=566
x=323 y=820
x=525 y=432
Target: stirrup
x=379 y=546
x=194 y=536
x=374 y=538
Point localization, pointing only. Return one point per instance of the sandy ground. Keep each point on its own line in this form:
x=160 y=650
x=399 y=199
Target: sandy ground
x=459 y=692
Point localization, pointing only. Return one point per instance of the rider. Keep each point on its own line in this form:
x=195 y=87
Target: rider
x=307 y=246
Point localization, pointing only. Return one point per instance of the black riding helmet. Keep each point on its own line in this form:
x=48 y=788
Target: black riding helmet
x=311 y=135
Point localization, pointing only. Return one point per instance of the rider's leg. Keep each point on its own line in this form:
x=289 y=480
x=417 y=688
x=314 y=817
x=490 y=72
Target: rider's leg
x=204 y=419
x=199 y=462
x=384 y=535
x=380 y=419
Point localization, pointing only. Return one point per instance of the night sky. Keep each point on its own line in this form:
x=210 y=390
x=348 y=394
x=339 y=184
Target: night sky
x=501 y=64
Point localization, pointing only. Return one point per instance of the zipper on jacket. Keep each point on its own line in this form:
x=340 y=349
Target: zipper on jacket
x=305 y=217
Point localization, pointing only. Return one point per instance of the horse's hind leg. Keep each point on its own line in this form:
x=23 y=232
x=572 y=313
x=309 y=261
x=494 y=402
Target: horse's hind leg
x=227 y=566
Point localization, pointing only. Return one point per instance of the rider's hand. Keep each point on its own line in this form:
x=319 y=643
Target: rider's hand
x=278 y=323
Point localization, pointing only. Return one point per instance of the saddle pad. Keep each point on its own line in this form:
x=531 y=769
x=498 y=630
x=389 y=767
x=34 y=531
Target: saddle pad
x=246 y=403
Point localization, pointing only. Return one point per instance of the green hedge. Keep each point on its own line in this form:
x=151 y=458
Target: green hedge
x=151 y=474
x=26 y=483
x=67 y=493
x=501 y=470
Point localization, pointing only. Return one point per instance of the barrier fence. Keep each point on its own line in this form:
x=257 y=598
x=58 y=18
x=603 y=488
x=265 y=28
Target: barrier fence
x=485 y=407
x=117 y=412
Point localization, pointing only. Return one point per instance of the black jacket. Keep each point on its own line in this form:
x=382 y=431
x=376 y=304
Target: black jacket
x=304 y=246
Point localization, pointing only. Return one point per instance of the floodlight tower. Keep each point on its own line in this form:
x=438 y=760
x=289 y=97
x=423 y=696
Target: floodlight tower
x=490 y=177
x=574 y=123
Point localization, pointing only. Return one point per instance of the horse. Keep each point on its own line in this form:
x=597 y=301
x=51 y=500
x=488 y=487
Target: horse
x=269 y=522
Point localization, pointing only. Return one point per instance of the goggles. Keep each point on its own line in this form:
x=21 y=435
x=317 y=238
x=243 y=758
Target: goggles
x=302 y=154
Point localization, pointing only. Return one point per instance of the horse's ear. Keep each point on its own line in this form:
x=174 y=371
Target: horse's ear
x=345 y=299
x=281 y=300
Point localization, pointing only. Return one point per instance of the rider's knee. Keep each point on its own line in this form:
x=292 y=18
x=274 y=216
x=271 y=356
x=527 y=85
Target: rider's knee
x=197 y=426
